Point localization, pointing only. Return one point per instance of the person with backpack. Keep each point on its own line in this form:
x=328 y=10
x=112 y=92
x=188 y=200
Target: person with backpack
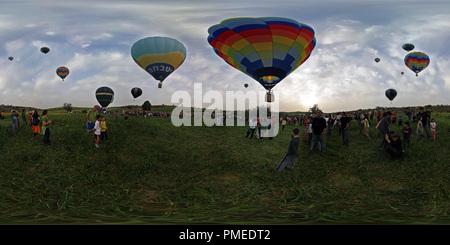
x=35 y=124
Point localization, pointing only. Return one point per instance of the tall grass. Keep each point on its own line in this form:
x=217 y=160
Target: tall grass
x=149 y=171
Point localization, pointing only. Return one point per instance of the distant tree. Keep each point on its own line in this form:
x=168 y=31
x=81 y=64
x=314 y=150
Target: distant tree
x=147 y=106
x=313 y=110
x=68 y=107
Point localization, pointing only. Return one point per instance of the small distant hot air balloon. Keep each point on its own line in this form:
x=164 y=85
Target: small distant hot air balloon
x=391 y=93
x=408 y=47
x=246 y=85
x=267 y=49
x=10 y=58
x=402 y=73
x=159 y=56
x=377 y=60
x=45 y=50
x=104 y=95
x=62 y=72
x=136 y=92
x=417 y=61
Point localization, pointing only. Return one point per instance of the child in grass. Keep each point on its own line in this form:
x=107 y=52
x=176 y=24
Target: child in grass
x=97 y=131
x=433 y=129
x=103 y=128
x=292 y=153
x=395 y=146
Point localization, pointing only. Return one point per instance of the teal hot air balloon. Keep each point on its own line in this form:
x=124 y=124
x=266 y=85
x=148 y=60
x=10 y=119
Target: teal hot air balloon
x=377 y=60
x=159 y=56
x=10 y=58
x=104 y=95
x=267 y=49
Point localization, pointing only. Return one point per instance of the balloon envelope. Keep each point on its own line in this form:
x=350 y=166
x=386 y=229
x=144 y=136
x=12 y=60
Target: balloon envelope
x=104 y=95
x=391 y=93
x=159 y=56
x=62 y=72
x=246 y=85
x=408 y=47
x=45 y=50
x=136 y=92
x=377 y=60
x=10 y=58
x=267 y=49
x=417 y=61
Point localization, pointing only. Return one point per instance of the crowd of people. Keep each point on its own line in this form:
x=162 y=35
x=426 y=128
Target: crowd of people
x=391 y=126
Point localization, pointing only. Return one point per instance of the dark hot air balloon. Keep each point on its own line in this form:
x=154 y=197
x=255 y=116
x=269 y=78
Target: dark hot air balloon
x=267 y=49
x=136 y=92
x=10 y=58
x=45 y=50
x=377 y=60
x=104 y=95
x=408 y=47
x=246 y=85
x=391 y=93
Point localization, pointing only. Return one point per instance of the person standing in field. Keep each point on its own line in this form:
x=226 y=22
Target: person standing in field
x=383 y=127
x=14 y=123
x=420 y=129
x=433 y=129
x=425 y=117
x=91 y=119
x=283 y=123
x=103 y=130
x=97 y=130
x=35 y=124
x=292 y=152
x=400 y=119
x=46 y=122
x=366 y=127
x=319 y=124
x=345 y=122
x=251 y=129
x=407 y=131
x=24 y=117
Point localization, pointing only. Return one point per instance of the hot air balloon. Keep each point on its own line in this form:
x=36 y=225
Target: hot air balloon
x=390 y=93
x=136 y=92
x=62 y=72
x=45 y=50
x=267 y=49
x=159 y=56
x=104 y=95
x=377 y=60
x=10 y=58
x=417 y=61
x=402 y=73
x=246 y=85
x=408 y=47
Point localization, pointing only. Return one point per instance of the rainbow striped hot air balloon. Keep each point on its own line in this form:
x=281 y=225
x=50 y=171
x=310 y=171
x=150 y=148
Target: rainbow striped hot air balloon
x=267 y=49
x=159 y=56
x=417 y=61
x=104 y=95
x=62 y=72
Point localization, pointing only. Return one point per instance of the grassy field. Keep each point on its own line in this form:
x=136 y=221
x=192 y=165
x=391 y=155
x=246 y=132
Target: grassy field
x=150 y=172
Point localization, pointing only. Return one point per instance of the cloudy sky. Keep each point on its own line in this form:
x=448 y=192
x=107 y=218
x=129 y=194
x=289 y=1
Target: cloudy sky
x=93 y=39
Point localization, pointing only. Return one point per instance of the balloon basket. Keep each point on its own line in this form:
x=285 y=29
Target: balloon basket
x=160 y=85
x=270 y=97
